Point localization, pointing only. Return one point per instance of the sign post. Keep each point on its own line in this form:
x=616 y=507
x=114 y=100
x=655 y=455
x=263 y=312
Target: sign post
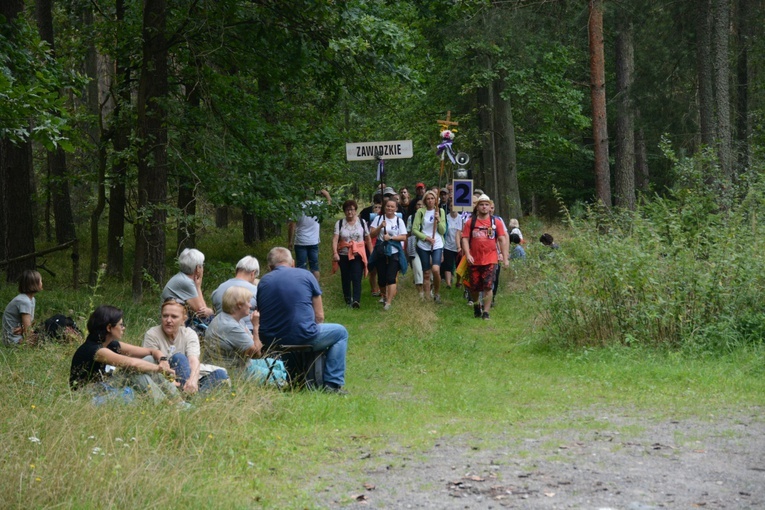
x=380 y=151
x=367 y=151
x=463 y=194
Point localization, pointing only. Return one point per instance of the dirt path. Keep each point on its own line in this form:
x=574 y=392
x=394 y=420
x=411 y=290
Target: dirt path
x=690 y=463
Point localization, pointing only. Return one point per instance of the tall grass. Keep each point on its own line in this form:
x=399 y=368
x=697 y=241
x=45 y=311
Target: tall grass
x=418 y=374
x=682 y=272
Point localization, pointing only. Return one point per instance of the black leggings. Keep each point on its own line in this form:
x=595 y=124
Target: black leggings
x=449 y=263
x=351 y=274
x=387 y=270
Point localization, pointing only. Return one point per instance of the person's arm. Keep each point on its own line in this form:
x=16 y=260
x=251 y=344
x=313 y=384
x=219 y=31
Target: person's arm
x=441 y=222
x=376 y=230
x=417 y=226
x=255 y=349
x=192 y=383
x=291 y=235
x=335 y=255
x=466 y=250
x=504 y=246
x=25 y=330
x=150 y=344
x=318 y=309
x=197 y=304
x=458 y=239
x=399 y=237
x=325 y=194
x=134 y=359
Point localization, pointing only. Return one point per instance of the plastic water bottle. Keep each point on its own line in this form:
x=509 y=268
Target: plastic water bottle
x=128 y=395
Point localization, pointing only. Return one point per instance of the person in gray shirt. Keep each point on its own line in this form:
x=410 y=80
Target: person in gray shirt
x=228 y=342
x=20 y=312
x=247 y=272
x=186 y=286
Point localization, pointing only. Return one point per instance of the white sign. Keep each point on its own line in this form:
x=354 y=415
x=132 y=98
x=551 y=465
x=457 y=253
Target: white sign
x=365 y=151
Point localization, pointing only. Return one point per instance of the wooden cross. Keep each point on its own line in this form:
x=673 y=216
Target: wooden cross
x=448 y=122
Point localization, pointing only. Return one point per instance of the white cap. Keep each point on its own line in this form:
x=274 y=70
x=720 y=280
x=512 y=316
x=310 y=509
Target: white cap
x=483 y=198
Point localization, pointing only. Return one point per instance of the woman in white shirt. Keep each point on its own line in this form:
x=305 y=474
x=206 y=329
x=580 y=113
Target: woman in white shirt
x=429 y=227
x=388 y=227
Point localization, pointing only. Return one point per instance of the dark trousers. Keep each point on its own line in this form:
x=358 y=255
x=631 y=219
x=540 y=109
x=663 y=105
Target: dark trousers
x=351 y=274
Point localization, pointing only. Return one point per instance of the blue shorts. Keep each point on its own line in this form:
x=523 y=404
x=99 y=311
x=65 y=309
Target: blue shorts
x=429 y=258
x=307 y=256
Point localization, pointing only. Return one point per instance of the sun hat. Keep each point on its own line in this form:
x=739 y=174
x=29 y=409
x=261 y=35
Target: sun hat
x=483 y=198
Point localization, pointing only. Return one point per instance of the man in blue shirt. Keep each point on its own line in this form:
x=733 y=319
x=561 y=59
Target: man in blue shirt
x=291 y=311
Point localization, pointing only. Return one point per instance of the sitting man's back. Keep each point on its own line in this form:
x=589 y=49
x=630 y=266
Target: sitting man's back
x=291 y=312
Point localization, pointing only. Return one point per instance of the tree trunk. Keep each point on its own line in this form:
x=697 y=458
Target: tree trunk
x=58 y=185
x=641 y=161
x=152 y=156
x=16 y=218
x=722 y=85
x=18 y=221
x=187 y=203
x=624 y=173
x=250 y=232
x=485 y=97
x=598 y=95
x=115 y=236
x=507 y=197
x=704 y=72
x=95 y=134
x=743 y=36
x=95 y=217
x=221 y=217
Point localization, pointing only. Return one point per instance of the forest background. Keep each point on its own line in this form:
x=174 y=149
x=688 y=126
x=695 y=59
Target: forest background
x=124 y=122
x=131 y=129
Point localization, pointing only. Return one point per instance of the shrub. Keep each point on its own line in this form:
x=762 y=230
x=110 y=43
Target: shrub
x=683 y=271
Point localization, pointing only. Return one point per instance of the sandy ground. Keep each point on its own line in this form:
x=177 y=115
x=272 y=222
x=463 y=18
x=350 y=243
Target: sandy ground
x=625 y=462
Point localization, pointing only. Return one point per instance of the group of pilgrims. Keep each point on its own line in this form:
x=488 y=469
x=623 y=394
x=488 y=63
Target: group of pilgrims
x=424 y=233
x=398 y=231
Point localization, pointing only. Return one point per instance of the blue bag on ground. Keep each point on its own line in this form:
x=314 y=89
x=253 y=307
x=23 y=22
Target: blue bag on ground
x=267 y=371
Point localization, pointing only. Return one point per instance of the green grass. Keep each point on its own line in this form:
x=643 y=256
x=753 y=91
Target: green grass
x=418 y=375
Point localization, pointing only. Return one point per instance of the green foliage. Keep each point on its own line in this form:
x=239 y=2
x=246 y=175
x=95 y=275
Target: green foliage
x=682 y=272
x=541 y=69
x=32 y=106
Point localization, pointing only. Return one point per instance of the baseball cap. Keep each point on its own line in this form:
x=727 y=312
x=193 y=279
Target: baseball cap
x=389 y=191
x=420 y=185
x=444 y=190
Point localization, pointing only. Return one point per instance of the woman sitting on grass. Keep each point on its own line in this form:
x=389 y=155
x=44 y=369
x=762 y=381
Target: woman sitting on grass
x=20 y=312
x=228 y=341
x=104 y=363
x=180 y=346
